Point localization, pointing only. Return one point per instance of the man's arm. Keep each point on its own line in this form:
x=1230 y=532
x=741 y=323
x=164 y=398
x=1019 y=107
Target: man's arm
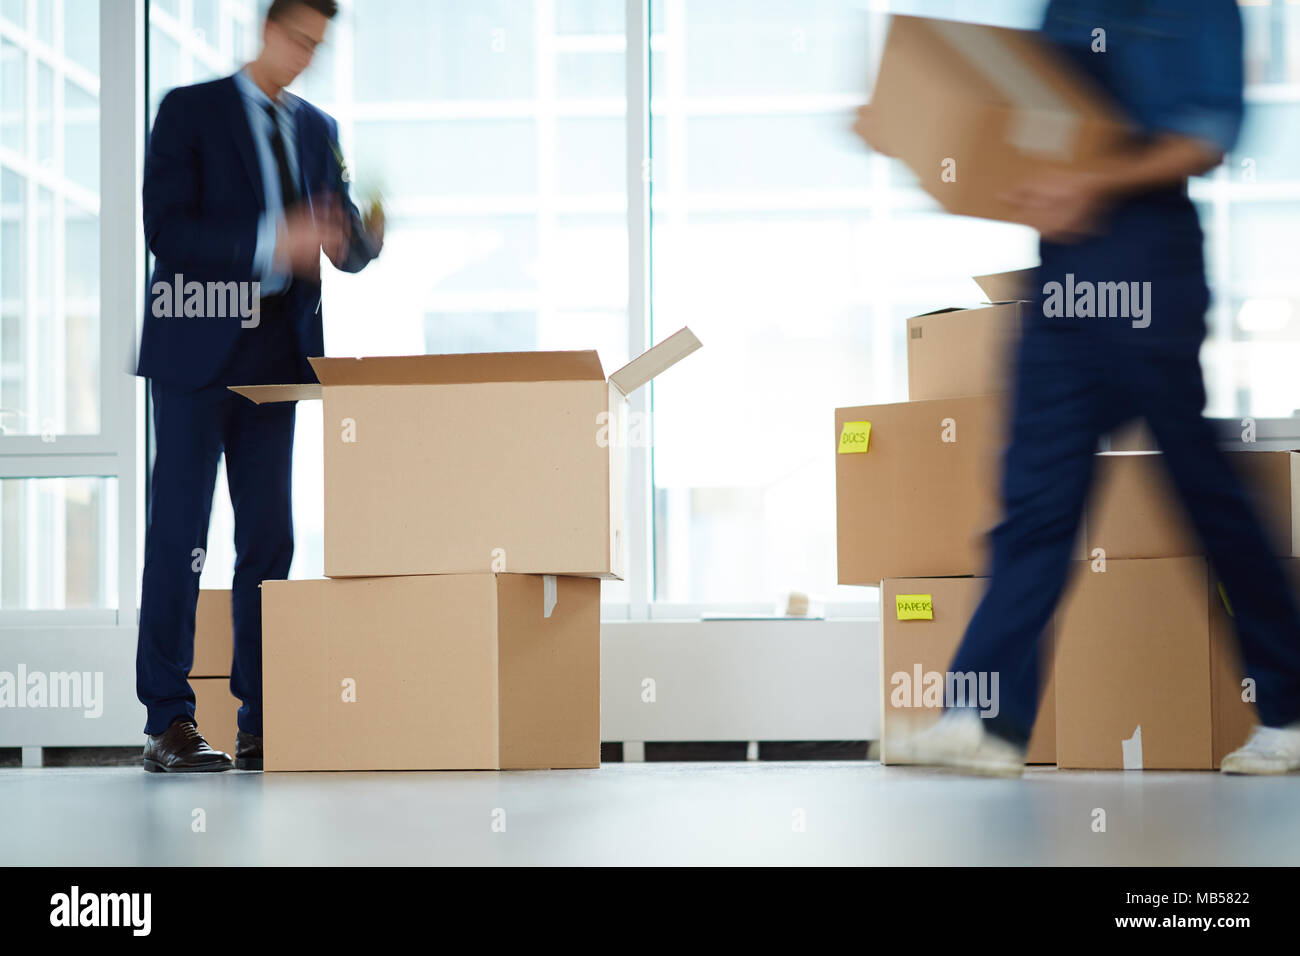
x=174 y=230
x=1189 y=139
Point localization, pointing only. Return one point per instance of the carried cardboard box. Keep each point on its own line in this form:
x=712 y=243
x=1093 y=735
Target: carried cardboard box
x=216 y=712
x=922 y=622
x=1135 y=512
x=952 y=353
x=500 y=461
x=916 y=487
x=974 y=110
x=1133 y=674
x=431 y=672
x=214 y=636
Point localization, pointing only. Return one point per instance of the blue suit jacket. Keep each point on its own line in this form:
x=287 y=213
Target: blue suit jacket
x=203 y=198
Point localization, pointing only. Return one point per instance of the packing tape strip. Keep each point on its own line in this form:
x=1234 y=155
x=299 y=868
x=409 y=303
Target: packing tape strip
x=1133 y=750
x=1044 y=123
x=549 y=594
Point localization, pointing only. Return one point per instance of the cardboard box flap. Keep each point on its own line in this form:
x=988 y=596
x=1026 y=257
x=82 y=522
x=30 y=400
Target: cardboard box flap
x=1007 y=286
x=262 y=394
x=654 y=360
x=460 y=369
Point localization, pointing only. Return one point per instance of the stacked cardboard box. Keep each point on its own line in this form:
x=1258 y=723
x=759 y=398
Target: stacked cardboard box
x=473 y=503
x=1147 y=669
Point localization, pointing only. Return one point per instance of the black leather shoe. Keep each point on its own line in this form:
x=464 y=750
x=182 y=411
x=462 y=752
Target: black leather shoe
x=182 y=749
x=248 y=751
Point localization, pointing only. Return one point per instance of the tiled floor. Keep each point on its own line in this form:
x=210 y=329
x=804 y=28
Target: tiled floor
x=649 y=813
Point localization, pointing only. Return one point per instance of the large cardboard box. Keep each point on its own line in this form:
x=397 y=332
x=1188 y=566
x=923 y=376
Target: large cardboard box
x=918 y=495
x=431 y=672
x=1135 y=512
x=916 y=650
x=952 y=353
x=1133 y=667
x=214 y=636
x=501 y=461
x=216 y=712
x=974 y=109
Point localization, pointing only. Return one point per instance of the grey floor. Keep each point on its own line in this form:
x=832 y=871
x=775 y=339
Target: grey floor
x=646 y=813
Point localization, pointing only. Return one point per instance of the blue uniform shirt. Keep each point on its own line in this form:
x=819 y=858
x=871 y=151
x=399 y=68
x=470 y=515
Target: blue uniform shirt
x=1175 y=66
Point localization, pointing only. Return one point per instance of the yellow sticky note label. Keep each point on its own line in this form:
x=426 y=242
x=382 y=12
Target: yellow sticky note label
x=854 y=437
x=914 y=607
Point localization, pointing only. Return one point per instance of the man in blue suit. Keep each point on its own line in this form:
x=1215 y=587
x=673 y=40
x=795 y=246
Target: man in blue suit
x=244 y=187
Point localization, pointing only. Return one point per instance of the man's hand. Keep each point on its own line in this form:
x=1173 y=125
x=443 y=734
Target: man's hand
x=300 y=239
x=1063 y=206
x=868 y=128
x=374 y=223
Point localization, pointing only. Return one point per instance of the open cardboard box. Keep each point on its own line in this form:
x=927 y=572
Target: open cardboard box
x=952 y=353
x=495 y=461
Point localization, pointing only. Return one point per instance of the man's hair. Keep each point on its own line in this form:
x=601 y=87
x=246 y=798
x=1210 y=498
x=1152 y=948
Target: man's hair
x=278 y=8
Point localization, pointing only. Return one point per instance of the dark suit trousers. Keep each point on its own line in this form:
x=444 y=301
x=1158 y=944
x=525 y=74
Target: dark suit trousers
x=192 y=429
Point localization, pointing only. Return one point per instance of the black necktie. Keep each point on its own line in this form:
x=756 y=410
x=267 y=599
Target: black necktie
x=288 y=191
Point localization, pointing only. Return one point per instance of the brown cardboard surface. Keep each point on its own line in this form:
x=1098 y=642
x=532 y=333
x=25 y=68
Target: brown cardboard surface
x=914 y=505
x=462 y=478
x=460 y=671
x=991 y=105
x=1008 y=286
x=963 y=352
x=216 y=712
x=1135 y=512
x=460 y=368
x=501 y=462
x=1133 y=650
x=214 y=639
x=930 y=645
x=549 y=677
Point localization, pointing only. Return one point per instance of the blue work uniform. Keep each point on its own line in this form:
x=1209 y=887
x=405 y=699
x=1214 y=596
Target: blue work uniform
x=1174 y=67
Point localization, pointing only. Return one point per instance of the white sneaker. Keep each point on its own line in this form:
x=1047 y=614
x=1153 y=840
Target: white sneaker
x=960 y=742
x=1269 y=750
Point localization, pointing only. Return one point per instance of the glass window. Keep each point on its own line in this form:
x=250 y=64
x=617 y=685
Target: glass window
x=49 y=218
x=58 y=543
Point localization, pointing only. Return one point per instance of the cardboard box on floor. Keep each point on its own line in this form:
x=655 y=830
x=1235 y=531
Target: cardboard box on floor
x=1135 y=512
x=916 y=487
x=431 y=672
x=500 y=461
x=952 y=353
x=214 y=637
x=974 y=109
x=914 y=648
x=1133 y=667
x=216 y=712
